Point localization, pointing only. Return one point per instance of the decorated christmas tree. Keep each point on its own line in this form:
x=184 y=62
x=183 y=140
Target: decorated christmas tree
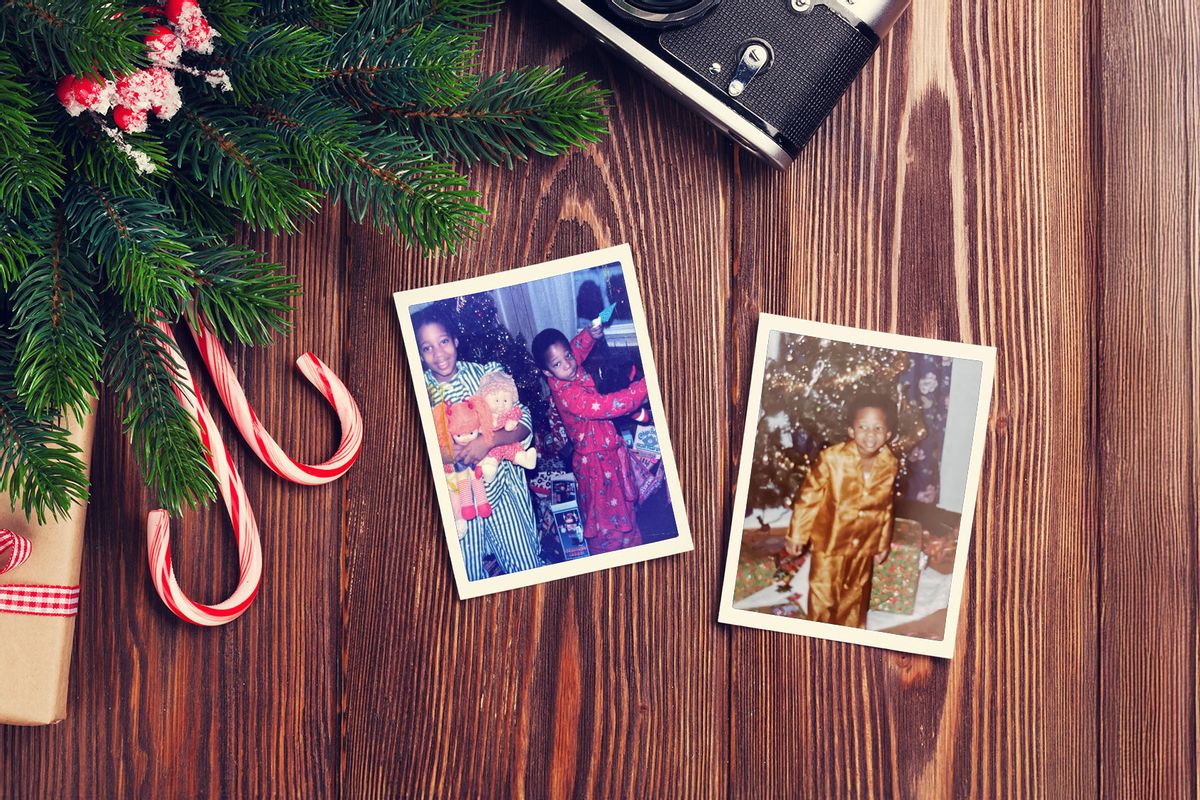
x=808 y=385
x=483 y=338
x=138 y=140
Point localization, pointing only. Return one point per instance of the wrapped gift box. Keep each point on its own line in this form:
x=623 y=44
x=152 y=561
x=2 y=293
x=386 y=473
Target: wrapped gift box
x=35 y=650
x=556 y=499
x=894 y=582
x=645 y=441
x=753 y=575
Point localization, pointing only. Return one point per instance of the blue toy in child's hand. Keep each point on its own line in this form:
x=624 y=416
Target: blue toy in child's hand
x=605 y=315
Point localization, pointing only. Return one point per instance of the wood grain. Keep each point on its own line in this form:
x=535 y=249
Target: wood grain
x=1147 y=400
x=1018 y=176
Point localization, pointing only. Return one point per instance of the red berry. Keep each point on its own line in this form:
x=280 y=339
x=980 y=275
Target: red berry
x=163 y=46
x=176 y=8
x=159 y=31
x=66 y=90
x=129 y=120
x=87 y=90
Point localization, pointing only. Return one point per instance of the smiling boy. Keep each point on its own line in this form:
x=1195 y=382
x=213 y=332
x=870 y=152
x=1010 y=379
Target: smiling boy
x=843 y=514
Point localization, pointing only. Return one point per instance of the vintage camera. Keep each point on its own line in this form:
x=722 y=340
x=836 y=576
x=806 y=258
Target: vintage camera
x=766 y=72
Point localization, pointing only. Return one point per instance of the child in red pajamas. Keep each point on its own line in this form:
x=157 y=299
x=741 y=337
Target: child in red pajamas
x=607 y=491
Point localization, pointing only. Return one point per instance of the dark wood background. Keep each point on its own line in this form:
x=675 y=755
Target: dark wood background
x=1022 y=175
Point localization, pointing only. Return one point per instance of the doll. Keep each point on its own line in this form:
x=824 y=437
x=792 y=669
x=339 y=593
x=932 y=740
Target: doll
x=467 y=495
x=500 y=411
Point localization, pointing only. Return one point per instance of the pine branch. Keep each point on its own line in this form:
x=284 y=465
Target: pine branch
x=98 y=159
x=31 y=173
x=390 y=180
x=394 y=20
x=277 y=60
x=57 y=328
x=81 y=38
x=233 y=156
x=40 y=468
x=427 y=66
x=240 y=296
x=139 y=372
x=143 y=256
x=422 y=200
x=507 y=115
x=235 y=19
x=324 y=14
x=194 y=208
x=17 y=247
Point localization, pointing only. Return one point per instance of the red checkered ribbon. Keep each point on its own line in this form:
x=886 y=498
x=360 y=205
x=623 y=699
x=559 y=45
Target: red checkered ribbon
x=31 y=598
x=40 y=600
x=17 y=547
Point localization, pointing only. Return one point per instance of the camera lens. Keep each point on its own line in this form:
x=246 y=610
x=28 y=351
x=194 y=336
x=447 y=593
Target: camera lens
x=663 y=6
x=661 y=13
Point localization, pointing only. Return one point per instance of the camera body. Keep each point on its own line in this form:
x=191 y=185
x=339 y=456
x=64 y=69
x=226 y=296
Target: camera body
x=766 y=72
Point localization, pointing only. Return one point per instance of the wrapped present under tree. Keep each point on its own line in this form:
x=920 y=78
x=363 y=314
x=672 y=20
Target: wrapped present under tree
x=894 y=582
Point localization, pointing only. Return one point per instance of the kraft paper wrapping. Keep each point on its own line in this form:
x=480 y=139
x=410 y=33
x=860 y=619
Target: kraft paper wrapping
x=35 y=652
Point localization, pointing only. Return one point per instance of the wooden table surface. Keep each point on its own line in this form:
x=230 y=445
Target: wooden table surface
x=1013 y=174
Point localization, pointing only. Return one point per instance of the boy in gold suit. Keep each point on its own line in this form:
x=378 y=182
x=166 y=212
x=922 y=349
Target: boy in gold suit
x=843 y=514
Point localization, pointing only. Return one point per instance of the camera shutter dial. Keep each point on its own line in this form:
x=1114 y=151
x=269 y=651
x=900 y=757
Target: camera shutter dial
x=754 y=59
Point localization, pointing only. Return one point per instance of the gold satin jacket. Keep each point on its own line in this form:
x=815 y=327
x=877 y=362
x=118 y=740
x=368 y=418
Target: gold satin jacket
x=835 y=512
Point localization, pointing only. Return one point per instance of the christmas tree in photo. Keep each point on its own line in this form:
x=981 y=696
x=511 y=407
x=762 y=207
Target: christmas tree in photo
x=808 y=385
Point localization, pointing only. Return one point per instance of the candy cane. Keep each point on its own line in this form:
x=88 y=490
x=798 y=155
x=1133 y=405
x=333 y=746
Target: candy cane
x=245 y=529
x=261 y=442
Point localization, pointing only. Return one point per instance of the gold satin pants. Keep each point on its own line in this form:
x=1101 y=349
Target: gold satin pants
x=839 y=588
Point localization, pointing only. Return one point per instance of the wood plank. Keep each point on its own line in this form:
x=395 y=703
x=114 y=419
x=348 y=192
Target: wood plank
x=605 y=685
x=936 y=203
x=1148 y=407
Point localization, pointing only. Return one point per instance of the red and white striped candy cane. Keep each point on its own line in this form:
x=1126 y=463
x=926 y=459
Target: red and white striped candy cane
x=252 y=430
x=245 y=529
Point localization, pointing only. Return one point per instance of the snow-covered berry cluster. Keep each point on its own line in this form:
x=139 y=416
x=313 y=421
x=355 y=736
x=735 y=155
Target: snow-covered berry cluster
x=132 y=98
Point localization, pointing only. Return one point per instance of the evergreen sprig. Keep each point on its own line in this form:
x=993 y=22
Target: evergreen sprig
x=57 y=328
x=505 y=116
x=139 y=370
x=374 y=105
x=40 y=468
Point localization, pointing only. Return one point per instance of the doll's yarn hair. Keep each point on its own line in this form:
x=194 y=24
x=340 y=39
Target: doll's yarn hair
x=463 y=418
x=497 y=383
x=872 y=400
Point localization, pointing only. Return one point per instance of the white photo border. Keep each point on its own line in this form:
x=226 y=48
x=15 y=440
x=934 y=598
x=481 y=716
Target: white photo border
x=681 y=543
x=772 y=323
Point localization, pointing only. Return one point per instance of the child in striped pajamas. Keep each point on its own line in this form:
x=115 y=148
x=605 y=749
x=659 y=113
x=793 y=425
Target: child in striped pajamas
x=509 y=532
x=607 y=488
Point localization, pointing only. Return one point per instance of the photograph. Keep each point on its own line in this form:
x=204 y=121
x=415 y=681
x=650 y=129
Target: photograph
x=544 y=422
x=859 y=471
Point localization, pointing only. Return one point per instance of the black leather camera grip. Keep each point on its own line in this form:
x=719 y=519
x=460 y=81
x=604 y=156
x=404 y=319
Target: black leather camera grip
x=816 y=56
